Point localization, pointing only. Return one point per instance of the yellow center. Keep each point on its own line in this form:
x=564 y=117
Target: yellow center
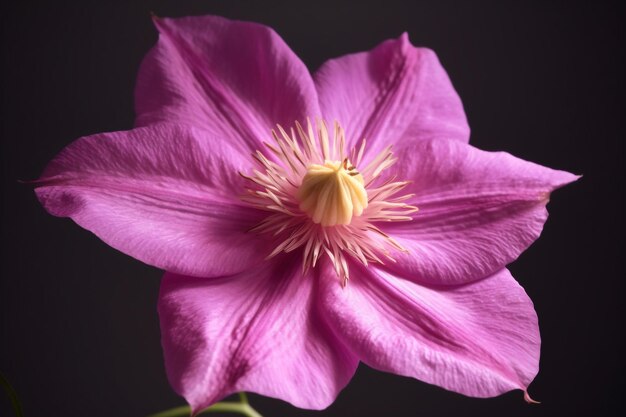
x=332 y=193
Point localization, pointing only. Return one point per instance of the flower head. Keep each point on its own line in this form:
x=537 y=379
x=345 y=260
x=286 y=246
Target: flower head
x=261 y=189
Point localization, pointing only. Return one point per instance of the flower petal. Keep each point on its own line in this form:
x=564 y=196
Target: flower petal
x=393 y=91
x=166 y=195
x=479 y=339
x=237 y=79
x=258 y=331
x=477 y=210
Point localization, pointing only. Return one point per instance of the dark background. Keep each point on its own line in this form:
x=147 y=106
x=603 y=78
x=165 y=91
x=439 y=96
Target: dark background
x=79 y=330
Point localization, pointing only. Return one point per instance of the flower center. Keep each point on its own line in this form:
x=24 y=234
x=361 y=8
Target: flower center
x=318 y=202
x=332 y=193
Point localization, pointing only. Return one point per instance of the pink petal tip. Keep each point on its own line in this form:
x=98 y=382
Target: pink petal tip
x=528 y=399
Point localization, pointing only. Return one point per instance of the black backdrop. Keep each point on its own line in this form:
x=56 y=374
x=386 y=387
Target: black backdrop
x=78 y=326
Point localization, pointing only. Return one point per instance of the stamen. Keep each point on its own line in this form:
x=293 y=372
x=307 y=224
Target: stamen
x=331 y=195
x=320 y=201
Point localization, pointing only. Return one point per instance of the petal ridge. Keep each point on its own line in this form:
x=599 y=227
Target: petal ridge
x=259 y=331
x=478 y=210
x=234 y=78
x=393 y=91
x=162 y=194
x=480 y=339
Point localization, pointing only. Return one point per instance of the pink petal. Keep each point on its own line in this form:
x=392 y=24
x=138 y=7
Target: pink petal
x=236 y=79
x=166 y=195
x=479 y=339
x=392 y=92
x=477 y=210
x=258 y=331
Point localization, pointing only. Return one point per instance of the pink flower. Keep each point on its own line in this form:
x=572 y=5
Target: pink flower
x=291 y=261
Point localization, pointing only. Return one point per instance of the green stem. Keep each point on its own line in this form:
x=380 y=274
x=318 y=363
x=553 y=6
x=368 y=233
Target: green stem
x=183 y=411
x=17 y=407
x=242 y=407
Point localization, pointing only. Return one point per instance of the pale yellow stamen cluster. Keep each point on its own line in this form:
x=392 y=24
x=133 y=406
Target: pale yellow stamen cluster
x=332 y=193
x=320 y=201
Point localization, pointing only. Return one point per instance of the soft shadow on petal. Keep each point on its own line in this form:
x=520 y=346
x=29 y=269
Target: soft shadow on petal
x=478 y=211
x=479 y=339
x=236 y=79
x=393 y=92
x=165 y=194
x=258 y=331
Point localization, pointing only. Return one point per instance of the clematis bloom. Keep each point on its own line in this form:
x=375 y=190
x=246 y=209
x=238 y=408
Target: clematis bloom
x=310 y=222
